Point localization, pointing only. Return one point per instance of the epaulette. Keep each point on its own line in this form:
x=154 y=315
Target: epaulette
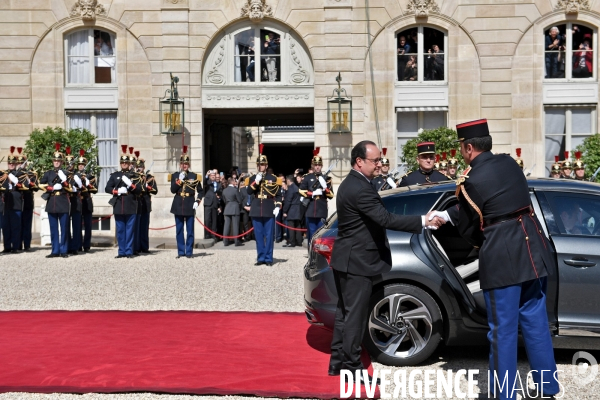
x=279 y=180
x=247 y=181
x=406 y=174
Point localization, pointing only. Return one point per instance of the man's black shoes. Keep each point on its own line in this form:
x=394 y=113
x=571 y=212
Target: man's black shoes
x=259 y=263
x=333 y=371
x=239 y=244
x=270 y=264
x=52 y=255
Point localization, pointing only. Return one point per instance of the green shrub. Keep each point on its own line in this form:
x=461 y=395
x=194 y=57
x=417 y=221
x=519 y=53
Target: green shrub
x=444 y=139
x=590 y=154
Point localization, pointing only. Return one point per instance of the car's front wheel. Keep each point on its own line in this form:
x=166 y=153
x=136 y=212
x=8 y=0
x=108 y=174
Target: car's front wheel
x=405 y=325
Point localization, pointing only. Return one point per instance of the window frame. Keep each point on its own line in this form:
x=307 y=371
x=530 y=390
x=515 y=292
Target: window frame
x=91 y=58
x=569 y=51
x=420 y=56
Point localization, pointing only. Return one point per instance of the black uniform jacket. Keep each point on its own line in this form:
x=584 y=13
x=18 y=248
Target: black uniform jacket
x=291 y=203
x=513 y=249
x=14 y=199
x=126 y=203
x=267 y=195
x=76 y=194
x=317 y=208
x=150 y=189
x=185 y=194
x=87 y=203
x=422 y=178
x=28 y=202
x=361 y=247
x=58 y=202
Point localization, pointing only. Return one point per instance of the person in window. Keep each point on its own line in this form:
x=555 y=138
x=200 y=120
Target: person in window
x=414 y=40
x=583 y=59
x=403 y=51
x=434 y=64
x=570 y=215
x=553 y=46
x=271 y=46
x=249 y=50
x=106 y=48
x=410 y=71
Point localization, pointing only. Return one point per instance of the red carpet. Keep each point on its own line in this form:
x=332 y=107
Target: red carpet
x=263 y=354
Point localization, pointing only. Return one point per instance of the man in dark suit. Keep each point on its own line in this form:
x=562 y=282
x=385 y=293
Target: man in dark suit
x=233 y=202
x=361 y=252
x=212 y=190
x=292 y=212
x=514 y=256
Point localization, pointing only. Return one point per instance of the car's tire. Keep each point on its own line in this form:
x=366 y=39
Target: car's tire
x=414 y=335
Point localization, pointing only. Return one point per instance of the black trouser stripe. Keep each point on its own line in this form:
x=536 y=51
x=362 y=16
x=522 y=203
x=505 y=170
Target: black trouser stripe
x=494 y=332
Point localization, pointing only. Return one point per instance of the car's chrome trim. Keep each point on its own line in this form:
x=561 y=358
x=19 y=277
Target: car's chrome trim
x=574 y=330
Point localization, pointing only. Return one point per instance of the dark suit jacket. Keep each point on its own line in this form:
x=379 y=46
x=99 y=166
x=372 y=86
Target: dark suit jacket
x=233 y=201
x=291 y=203
x=210 y=196
x=361 y=247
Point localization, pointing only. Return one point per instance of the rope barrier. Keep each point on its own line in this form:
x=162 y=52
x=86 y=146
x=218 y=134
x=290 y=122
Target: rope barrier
x=289 y=227
x=222 y=236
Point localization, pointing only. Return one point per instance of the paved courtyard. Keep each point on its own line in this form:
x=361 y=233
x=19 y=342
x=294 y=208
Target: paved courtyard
x=215 y=279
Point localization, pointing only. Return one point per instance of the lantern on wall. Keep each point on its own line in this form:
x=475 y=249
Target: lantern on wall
x=172 y=110
x=339 y=110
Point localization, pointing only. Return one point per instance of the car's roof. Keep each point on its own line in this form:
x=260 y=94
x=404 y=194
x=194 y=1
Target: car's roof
x=563 y=185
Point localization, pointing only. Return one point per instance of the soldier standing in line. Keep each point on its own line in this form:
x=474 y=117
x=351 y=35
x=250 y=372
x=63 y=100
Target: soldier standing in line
x=124 y=203
x=567 y=167
x=443 y=167
x=56 y=190
x=150 y=189
x=185 y=185
x=87 y=203
x=425 y=174
x=28 y=202
x=452 y=165
x=579 y=167
x=264 y=208
x=76 y=183
x=15 y=183
x=384 y=181
x=136 y=179
x=316 y=189
x=519 y=161
x=555 y=171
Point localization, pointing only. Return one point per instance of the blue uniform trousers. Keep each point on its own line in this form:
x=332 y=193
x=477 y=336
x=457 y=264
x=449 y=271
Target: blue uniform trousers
x=60 y=242
x=263 y=233
x=508 y=307
x=144 y=240
x=75 y=242
x=185 y=245
x=87 y=229
x=26 y=223
x=11 y=226
x=312 y=224
x=124 y=226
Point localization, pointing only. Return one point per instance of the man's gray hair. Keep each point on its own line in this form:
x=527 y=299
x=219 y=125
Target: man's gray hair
x=554 y=28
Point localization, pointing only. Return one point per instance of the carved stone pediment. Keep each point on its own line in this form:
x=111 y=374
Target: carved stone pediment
x=87 y=9
x=256 y=10
x=572 y=6
x=422 y=8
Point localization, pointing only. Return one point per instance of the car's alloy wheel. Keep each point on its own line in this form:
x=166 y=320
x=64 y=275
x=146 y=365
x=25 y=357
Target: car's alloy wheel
x=404 y=326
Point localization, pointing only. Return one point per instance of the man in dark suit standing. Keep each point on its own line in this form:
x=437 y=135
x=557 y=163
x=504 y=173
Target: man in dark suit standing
x=233 y=202
x=361 y=252
x=292 y=212
x=212 y=191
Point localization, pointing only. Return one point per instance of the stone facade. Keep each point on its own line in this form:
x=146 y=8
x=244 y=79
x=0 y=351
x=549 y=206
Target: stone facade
x=494 y=69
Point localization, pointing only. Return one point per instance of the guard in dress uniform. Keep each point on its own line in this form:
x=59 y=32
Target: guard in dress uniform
x=567 y=167
x=187 y=188
x=137 y=180
x=519 y=160
x=514 y=255
x=15 y=184
x=28 y=201
x=555 y=169
x=384 y=181
x=56 y=189
x=443 y=166
x=150 y=189
x=425 y=174
x=77 y=186
x=87 y=202
x=124 y=202
x=452 y=165
x=579 y=167
x=315 y=190
x=264 y=208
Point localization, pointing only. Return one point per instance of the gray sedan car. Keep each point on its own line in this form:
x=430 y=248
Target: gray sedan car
x=432 y=293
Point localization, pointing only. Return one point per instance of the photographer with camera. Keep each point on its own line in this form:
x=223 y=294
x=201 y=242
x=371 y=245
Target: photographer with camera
x=434 y=64
x=583 y=59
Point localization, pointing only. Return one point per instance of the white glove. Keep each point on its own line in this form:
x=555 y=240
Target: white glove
x=276 y=211
x=87 y=182
x=10 y=186
x=126 y=180
x=195 y=205
x=122 y=190
x=13 y=178
x=57 y=186
x=433 y=228
x=181 y=176
x=258 y=178
x=77 y=180
x=317 y=192
x=62 y=175
x=391 y=182
x=441 y=214
x=74 y=189
x=322 y=182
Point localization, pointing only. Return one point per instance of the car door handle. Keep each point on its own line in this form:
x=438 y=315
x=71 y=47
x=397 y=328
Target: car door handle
x=580 y=262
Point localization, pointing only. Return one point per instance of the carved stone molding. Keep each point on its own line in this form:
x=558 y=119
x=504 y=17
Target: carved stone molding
x=422 y=8
x=175 y=4
x=299 y=74
x=572 y=6
x=252 y=97
x=87 y=9
x=216 y=75
x=256 y=10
